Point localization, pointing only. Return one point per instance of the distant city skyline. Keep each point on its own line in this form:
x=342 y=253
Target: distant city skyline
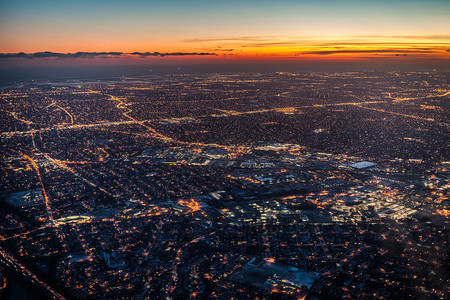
x=232 y=30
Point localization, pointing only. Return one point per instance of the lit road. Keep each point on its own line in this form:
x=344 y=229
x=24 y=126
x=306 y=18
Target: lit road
x=9 y=260
x=224 y=113
x=177 y=261
x=68 y=113
x=44 y=192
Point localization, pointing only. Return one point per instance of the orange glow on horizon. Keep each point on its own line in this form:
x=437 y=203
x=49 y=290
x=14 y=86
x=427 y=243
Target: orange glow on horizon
x=365 y=48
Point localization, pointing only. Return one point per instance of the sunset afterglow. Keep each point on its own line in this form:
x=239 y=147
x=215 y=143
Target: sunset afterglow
x=230 y=30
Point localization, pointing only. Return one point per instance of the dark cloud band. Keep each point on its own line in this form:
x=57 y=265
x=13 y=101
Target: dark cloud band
x=146 y=54
x=48 y=54
x=372 y=51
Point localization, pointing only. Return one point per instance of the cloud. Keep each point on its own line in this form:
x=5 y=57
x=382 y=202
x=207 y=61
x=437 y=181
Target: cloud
x=371 y=51
x=94 y=54
x=413 y=37
x=146 y=54
x=228 y=39
x=48 y=54
x=256 y=41
x=274 y=44
x=224 y=50
x=365 y=43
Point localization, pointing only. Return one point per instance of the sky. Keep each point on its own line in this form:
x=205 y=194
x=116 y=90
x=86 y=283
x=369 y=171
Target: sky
x=224 y=30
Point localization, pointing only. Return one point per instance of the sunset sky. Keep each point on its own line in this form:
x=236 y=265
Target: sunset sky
x=220 y=30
